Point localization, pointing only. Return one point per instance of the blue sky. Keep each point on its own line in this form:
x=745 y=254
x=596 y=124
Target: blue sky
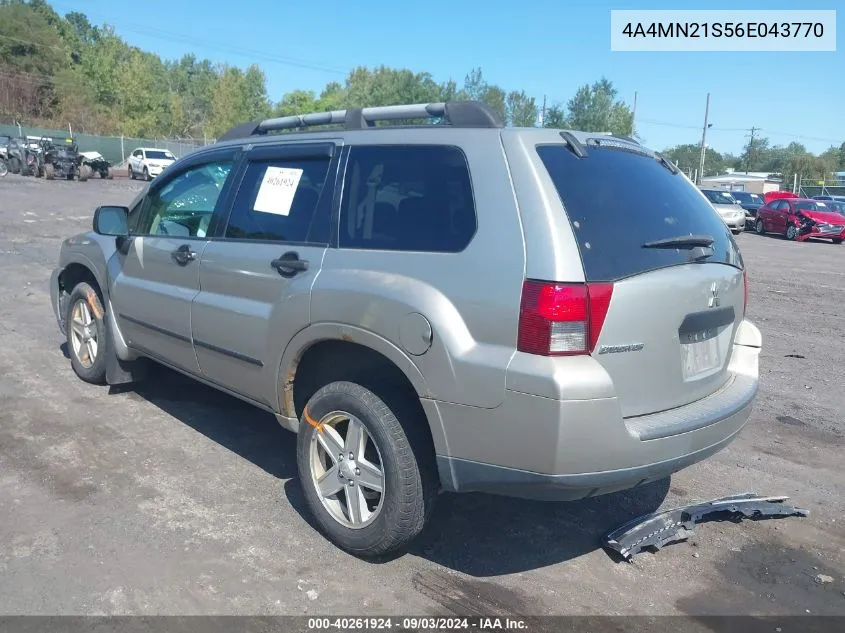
x=545 y=47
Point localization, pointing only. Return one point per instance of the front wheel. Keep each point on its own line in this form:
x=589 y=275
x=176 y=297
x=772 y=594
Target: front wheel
x=837 y=240
x=147 y=174
x=86 y=334
x=759 y=228
x=367 y=477
x=791 y=232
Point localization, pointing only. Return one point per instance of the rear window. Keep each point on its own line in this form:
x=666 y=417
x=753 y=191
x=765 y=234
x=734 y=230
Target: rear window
x=617 y=200
x=809 y=205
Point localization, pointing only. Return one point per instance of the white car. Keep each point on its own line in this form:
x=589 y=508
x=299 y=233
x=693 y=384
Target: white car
x=149 y=162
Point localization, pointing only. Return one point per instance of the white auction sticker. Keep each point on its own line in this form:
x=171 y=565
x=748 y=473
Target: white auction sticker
x=277 y=190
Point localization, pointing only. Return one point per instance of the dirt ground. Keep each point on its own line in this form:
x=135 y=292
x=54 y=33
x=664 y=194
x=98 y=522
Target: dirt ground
x=171 y=498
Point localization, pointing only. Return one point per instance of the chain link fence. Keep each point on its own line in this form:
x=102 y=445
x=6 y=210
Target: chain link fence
x=114 y=149
x=807 y=188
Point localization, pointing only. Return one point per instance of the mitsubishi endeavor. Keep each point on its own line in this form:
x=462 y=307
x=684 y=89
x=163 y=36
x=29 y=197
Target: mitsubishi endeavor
x=447 y=306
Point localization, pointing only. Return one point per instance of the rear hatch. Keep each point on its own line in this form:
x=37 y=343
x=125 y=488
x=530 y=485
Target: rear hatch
x=676 y=301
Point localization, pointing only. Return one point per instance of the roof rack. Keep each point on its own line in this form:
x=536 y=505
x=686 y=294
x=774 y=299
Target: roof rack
x=465 y=114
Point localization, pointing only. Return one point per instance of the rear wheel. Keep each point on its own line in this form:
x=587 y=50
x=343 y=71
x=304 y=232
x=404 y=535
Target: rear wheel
x=147 y=174
x=367 y=478
x=131 y=173
x=837 y=240
x=759 y=228
x=791 y=232
x=86 y=334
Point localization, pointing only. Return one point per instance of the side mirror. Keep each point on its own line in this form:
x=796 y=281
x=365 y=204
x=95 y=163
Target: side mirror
x=110 y=220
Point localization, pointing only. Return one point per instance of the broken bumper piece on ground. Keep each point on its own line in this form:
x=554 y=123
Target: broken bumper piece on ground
x=671 y=526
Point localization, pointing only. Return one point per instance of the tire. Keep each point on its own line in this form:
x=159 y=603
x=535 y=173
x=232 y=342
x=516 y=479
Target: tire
x=131 y=173
x=85 y=324
x=49 y=171
x=69 y=176
x=147 y=174
x=759 y=228
x=791 y=232
x=15 y=166
x=4 y=168
x=837 y=240
x=394 y=447
x=84 y=173
x=109 y=174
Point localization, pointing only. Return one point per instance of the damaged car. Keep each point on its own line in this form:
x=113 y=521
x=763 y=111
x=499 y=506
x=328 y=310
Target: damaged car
x=800 y=219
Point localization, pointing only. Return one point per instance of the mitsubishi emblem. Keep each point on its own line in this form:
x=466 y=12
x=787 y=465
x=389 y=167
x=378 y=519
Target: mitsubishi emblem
x=713 y=300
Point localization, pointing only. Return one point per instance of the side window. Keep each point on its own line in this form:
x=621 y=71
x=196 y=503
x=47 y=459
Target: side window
x=407 y=198
x=183 y=207
x=277 y=199
x=137 y=153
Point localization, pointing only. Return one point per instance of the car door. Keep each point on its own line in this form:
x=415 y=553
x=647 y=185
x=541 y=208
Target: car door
x=158 y=268
x=134 y=160
x=256 y=275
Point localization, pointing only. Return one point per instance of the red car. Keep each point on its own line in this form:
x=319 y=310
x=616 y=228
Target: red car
x=800 y=219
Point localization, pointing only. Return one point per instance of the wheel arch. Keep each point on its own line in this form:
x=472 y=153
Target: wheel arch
x=326 y=352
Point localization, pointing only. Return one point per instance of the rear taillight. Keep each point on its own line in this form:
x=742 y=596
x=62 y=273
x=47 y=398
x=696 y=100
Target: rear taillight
x=745 y=292
x=561 y=319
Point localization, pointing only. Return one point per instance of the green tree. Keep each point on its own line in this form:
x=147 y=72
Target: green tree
x=521 y=109
x=555 y=117
x=594 y=108
x=476 y=88
x=297 y=102
x=688 y=159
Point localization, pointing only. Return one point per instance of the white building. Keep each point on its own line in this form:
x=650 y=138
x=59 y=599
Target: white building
x=752 y=182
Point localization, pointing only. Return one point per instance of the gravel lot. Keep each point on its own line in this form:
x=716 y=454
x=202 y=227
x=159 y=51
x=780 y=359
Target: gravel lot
x=171 y=498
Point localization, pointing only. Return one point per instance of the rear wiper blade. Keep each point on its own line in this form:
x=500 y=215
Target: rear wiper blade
x=681 y=241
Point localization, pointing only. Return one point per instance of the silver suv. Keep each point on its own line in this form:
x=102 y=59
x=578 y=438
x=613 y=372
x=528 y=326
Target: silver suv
x=451 y=306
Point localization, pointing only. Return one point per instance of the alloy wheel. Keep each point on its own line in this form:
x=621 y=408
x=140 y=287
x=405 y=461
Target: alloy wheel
x=83 y=334
x=346 y=468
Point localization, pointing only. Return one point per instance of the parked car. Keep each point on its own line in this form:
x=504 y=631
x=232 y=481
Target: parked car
x=750 y=202
x=448 y=307
x=835 y=206
x=827 y=198
x=149 y=162
x=728 y=208
x=800 y=219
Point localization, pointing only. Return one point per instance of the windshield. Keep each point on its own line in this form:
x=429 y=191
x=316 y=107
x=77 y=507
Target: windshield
x=618 y=200
x=811 y=205
x=157 y=154
x=719 y=197
x=747 y=198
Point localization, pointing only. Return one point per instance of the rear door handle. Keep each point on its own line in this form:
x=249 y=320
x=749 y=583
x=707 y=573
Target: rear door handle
x=183 y=255
x=289 y=264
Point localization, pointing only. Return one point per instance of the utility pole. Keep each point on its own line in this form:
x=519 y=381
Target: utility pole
x=750 y=148
x=634 y=116
x=703 y=140
x=543 y=113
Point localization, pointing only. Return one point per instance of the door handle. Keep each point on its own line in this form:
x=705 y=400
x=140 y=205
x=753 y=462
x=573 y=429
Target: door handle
x=289 y=264
x=183 y=255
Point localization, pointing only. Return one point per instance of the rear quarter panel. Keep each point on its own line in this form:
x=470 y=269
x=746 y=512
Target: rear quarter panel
x=471 y=298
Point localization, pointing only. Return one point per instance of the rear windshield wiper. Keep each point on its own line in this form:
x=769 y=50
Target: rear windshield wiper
x=682 y=241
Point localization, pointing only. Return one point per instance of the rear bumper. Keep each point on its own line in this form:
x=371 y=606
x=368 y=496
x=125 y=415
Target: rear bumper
x=538 y=447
